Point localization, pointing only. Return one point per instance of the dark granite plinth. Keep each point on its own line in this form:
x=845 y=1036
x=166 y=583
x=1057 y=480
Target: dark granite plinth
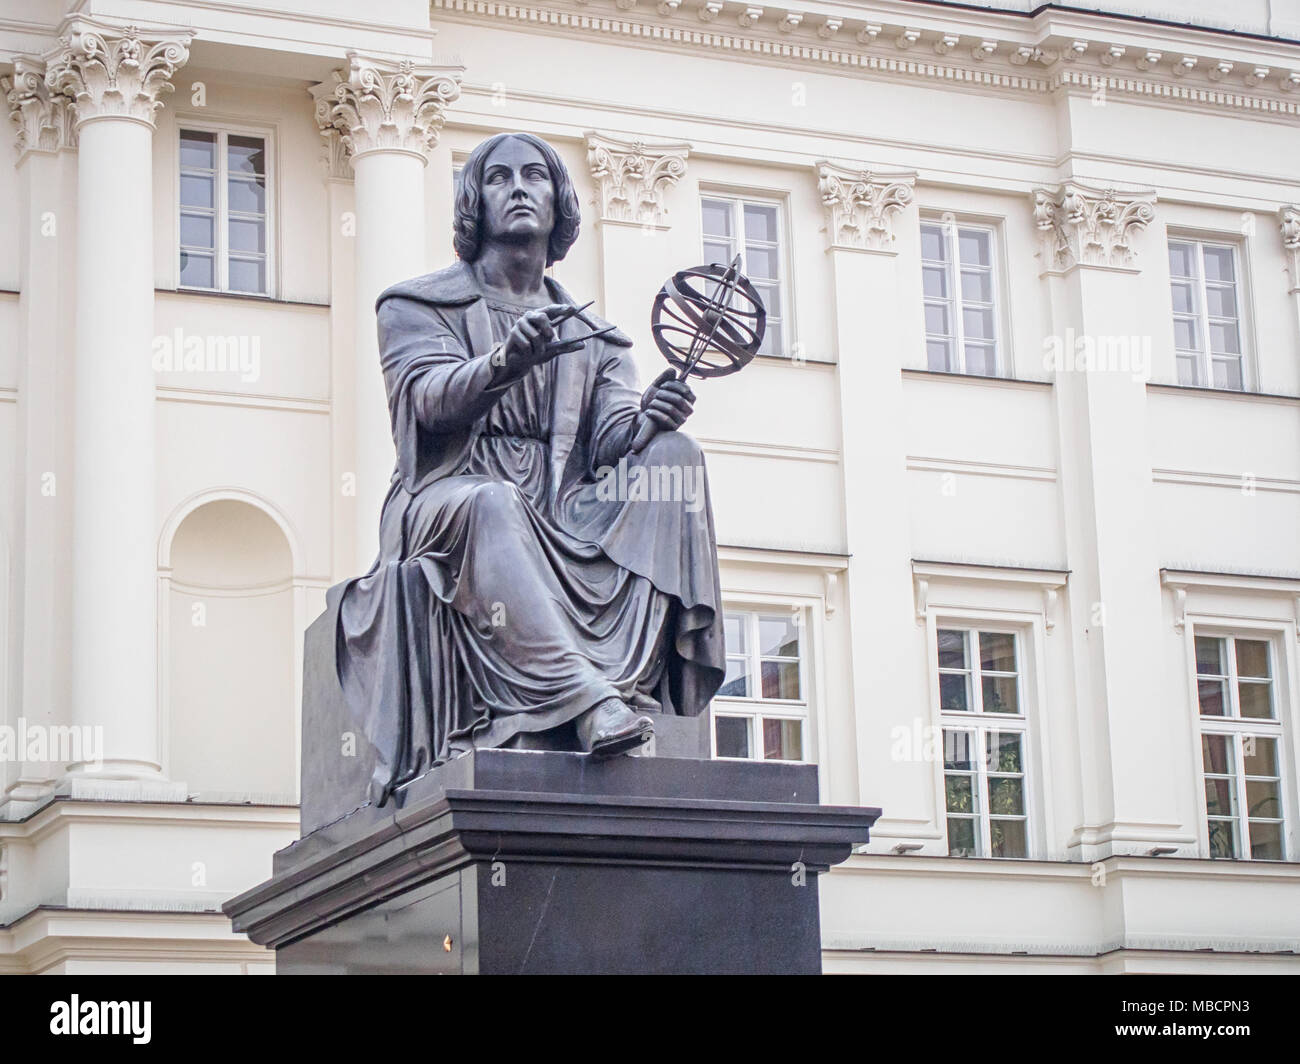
x=531 y=862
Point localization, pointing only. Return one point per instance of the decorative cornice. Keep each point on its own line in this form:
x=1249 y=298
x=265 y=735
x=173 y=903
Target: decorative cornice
x=861 y=204
x=1084 y=226
x=1288 y=218
x=1025 y=54
x=43 y=118
x=632 y=176
x=378 y=105
x=110 y=72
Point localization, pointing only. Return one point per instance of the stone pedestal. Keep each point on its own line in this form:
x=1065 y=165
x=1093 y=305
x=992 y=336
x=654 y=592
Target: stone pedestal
x=536 y=862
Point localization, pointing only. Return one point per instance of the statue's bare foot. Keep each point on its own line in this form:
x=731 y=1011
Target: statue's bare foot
x=610 y=728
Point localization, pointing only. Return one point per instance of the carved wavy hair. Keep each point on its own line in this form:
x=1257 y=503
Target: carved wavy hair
x=468 y=238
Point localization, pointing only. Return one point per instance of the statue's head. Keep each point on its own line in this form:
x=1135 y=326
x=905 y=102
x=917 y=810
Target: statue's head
x=513 y=188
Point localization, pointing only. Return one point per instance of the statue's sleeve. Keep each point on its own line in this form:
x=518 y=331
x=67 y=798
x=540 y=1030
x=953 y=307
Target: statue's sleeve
x=616 y=406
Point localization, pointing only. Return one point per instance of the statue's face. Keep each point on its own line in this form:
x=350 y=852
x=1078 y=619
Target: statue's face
x=518 y=196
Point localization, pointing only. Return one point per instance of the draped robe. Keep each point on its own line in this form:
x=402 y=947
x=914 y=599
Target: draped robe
x=513 y=588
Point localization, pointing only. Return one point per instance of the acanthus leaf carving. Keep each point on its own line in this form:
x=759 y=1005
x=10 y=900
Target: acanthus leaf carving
x=861 y=205
x=1084 y=226
x=43 y=119
x=1288 y=218
x=632 y=176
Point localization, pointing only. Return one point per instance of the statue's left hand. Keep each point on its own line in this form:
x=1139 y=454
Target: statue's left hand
x=668 y=402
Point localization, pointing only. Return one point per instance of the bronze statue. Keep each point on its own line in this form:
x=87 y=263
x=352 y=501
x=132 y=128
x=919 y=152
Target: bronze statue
x=547 y=570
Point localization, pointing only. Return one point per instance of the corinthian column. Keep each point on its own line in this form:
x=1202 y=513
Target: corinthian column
x=114 y=78
x=384 y=118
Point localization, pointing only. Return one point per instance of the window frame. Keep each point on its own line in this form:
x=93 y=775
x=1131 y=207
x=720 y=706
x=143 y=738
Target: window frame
x=949 y=224
x=1237 y=728
x=980 y=722
x=221 y=209
x=736 y=199
x=1205 y=358
x=754 y=708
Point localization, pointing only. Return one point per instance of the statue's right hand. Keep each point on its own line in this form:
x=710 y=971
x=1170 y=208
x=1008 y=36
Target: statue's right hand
x=527 y=344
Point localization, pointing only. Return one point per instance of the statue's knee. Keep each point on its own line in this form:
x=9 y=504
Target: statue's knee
x=497 y=499
x=673 y=448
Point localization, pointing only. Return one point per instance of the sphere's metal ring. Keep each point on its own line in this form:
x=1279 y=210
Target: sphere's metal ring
x=685 y=312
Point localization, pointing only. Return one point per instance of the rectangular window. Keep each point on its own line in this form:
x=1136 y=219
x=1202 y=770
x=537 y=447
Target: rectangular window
x=1203 y=281
x=223 y=211
x=754 y=229
x=984 y=743
x=1241 y=740
x=960 y=289
x=761 y=710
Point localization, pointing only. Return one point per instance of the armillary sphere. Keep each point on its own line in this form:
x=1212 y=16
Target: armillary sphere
x=708 y=321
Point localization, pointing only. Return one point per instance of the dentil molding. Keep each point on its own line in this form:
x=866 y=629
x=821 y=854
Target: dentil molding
x=1084 y=226
x=111 y=72
x=43 y=119
x=861 y=204
x=381 y=105
x=632 y=177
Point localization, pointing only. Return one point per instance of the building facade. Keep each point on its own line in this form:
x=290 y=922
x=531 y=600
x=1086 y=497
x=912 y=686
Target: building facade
x=1008 y=506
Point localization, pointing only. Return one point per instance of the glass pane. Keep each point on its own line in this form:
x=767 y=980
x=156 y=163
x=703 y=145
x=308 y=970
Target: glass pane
x=761 y=262
x=778 y=637
x=760 y=223
x=1223 y=838
x=247 y=275
x=981 y=360
x=1007 y=838
x=1259 y=755
x=1219 y=797
x=716 y=217
x=1227 y=373
x=1187 y=373
x=938 y=355
x=736 y=683
x=716 y=251
x=1216 y=752
x=198 y=149
x=1263 y=799
x=954 y=694
x=933 y=244
x=732 y=736
x=1218 y=264
x=773 y=340
x=1000 y=695
x=1182 y=259
x=936 y=319
x=977 y=286
x=934 y=281
x=197 y=231
x=973 y=247
x=1209 y=656
x=1265 y=841
x=978 y=322
x=960 y=791
x=1220 y=301
x=1184 y=301
x=1006 y=797
x=247 y=235
x=1224 y=339
x=733 y=630
x=770 y=292
x=1004 y=752
x=247 y=195
x=1213 y=696
x=780 y=679
x=782 y=740
x=246 y=155
x=197 y=270
x=997 y=652
x=1252 y=657
x=952 y=648
x=1186 y=335
x=961 y=837
x=1255 y=699
x=959 y=750
x=196 y=190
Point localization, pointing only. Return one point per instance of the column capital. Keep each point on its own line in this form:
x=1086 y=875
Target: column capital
x=383 y=105
x=114 y=72
x=43 y=119
x=861 y=204
x=1288 y=220
x=1084 y=226
x=632 y=177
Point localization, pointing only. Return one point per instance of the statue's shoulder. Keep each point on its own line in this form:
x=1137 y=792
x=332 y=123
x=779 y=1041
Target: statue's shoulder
x=452 y=286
